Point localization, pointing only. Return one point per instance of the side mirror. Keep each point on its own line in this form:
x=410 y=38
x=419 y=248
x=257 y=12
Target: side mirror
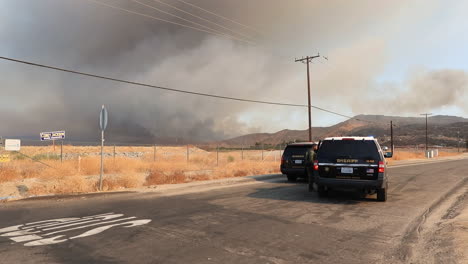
x=388 y=154
x=385 y=148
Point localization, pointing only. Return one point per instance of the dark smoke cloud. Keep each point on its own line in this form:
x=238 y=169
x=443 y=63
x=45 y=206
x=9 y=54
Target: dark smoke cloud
x=91 y=38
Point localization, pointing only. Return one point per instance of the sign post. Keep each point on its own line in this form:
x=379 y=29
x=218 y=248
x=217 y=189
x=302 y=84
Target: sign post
x=102 y=125
x=47 y=136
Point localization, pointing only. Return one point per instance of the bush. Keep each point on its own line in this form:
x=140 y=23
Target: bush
x=18 y=156
x=46 y=157
x=230 y=159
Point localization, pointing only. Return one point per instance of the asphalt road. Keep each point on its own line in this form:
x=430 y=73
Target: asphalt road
x=268 y=221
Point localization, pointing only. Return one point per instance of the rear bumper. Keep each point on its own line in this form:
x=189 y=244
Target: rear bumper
x=291 y=171
x=350 y=183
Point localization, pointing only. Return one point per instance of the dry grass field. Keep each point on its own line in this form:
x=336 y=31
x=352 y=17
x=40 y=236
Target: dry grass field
x=131 y=167
x=43 y=172
x=407 y=155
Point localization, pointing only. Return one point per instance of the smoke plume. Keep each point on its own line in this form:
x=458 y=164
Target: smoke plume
x=87 y=37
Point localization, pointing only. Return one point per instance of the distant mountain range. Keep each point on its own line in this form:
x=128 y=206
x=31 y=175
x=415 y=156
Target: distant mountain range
x=408 y=131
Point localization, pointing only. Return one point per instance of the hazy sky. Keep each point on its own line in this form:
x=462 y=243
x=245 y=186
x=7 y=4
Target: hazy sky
x=384 y=57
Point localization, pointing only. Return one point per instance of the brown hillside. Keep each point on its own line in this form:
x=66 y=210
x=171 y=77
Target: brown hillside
x=407 y=131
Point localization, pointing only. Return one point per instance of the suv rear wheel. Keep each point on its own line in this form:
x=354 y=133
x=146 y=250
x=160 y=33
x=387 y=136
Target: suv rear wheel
x=291 y=178
x=382 y=195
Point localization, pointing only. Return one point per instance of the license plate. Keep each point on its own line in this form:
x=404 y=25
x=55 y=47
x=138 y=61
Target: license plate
x=346 y=170
x=298 y=161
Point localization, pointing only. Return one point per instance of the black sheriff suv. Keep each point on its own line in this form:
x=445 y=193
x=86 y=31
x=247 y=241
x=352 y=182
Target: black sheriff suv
x=350 y=162
x=296 y=158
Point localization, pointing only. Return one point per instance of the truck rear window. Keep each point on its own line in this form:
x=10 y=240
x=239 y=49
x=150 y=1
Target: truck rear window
x=296 y=150
x=348 y=149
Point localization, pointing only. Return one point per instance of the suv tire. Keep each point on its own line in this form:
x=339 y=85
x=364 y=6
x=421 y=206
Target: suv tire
x=322 y=192
x=382 y=194
x=291 y=178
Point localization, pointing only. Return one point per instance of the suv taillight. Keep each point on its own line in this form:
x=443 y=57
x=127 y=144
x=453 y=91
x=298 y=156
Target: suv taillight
x=381 y=167
x=316 y=167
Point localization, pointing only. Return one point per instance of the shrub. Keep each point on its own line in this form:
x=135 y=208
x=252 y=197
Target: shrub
x=46 y=156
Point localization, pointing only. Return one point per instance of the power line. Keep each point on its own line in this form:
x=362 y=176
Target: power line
x=204 y=19
x=187 y=26
x=163 y=20
x=188 y=20
x=176 y=16
x=150 y=85
x=172 y=89
x=220 y=16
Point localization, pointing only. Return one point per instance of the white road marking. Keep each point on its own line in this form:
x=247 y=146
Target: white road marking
x=95 y=224
x=46 y=241
x=62 y=221
x=104 y=228
x=35 y=233
x=20 y=233
x=84 y=222
x=25 y=238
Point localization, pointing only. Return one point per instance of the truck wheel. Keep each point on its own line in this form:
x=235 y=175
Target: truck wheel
x=322 y=192
x=382 y=195
x=291 y=178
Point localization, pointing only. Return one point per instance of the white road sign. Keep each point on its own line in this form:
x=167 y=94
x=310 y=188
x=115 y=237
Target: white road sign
x=12 y=144
x=55 y=135
x=103 y=117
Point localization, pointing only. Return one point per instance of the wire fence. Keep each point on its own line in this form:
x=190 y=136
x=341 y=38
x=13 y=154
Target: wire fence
x=208 y=154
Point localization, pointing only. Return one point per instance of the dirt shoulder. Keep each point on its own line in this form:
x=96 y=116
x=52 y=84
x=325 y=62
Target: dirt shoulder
x=460 y=233
x=441 y=235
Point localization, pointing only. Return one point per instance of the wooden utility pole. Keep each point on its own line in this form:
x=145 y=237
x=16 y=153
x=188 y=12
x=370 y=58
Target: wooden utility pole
x=392 y=146
x=307 y=60
x=427 y=141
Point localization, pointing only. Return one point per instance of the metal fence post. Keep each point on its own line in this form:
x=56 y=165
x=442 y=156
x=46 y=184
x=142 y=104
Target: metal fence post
x=114 y=152
x=188 y=154
x=79 y=163
x=217 y=155
x=61 y=152
x=262 y=150
x=154 y=156
x=275 y=152
x=242 y=152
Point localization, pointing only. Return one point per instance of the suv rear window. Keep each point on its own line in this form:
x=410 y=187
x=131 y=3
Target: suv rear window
x=349 y=149
x=296 y=150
